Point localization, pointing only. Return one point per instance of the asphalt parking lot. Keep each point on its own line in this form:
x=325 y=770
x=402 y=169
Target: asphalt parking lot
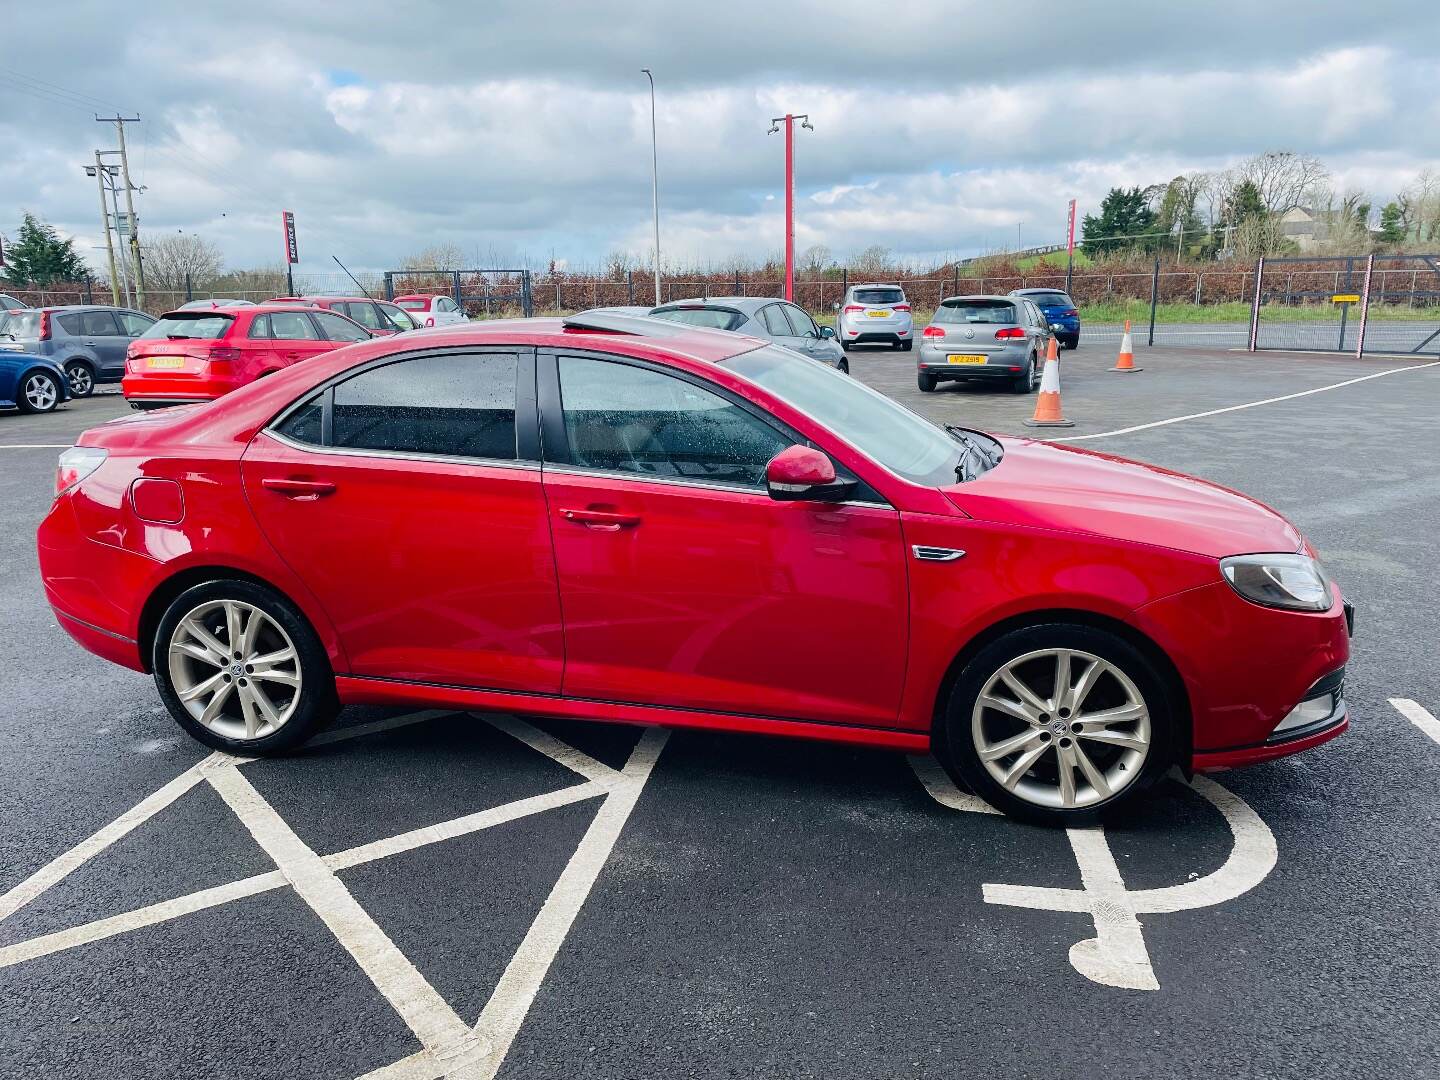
x=432 y=894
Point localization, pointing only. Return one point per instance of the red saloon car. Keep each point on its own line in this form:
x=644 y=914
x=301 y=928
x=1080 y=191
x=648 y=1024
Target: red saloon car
x=380 y=317
x=622 y=520
x=199 y=354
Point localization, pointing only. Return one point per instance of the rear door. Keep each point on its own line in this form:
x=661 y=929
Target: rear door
x=407 y=496
x=101 y=333
x=339 y=331
x=296 y=337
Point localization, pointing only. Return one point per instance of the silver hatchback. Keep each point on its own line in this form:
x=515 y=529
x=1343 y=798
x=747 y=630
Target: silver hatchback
x=984 y=337
x=875 y=315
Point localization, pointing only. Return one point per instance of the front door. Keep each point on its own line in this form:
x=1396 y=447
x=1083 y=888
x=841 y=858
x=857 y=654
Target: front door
x=408 y=499
x=683 y=583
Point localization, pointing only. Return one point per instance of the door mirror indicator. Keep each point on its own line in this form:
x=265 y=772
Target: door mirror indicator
x=804 y=473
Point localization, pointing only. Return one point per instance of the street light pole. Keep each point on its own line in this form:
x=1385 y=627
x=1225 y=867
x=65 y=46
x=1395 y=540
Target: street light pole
x=655 y=181
x=789 y=120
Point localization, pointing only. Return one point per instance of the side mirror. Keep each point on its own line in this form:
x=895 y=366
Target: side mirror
x=827 y=332
x=804 y=473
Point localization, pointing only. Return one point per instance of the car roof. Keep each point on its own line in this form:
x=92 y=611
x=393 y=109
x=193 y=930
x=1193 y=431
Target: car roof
x=607 y=331
x=978 y=296
x=1027 y=292
x=422 y=296
x=877 y=285
x=236 y=312
x=748 y=305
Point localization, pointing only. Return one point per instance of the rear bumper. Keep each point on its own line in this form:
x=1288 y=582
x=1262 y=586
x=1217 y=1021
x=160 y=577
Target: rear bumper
x=999 y=365
x=149 y=391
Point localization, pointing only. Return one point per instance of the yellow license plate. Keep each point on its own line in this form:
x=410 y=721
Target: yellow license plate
x=964 y=358
x=878 y=314
x=165 y=362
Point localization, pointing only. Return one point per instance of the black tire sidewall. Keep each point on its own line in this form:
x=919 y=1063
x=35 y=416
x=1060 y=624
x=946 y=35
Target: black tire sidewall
x=956 y=749
x=318 y=705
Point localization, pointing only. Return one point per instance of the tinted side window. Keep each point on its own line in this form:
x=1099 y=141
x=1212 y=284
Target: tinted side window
x=70 y=323
x=628 y=419
x=293 y=326
x=260 y=327
x=99 y=324
x=457 y=405
x=774 y=319
x=133 y=324
x=338 y=329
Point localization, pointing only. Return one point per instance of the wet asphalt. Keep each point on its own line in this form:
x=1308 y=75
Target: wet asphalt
x=770 y=908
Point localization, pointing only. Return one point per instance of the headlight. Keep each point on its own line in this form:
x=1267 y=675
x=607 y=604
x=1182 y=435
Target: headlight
x=1280 y=580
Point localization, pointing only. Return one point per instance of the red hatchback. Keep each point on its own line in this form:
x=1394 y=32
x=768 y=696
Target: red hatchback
x=613 y=519
x=380 y=317
x=198 y=355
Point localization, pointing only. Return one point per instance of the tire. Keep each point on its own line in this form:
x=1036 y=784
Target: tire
x=1025 y=382
x=1071 y=342
x=1125 y=679
x=927 y=383
x=80 y=377
x=844 y=367
x=907 y=345
x=241 y=723
x=845 y=346
x=38 y=392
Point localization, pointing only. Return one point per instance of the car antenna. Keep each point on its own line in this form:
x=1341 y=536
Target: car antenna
x=352 y=277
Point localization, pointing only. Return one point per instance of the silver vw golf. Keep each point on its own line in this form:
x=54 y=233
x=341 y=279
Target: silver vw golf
x=984 y=337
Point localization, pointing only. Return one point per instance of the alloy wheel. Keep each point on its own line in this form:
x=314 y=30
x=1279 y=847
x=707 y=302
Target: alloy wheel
x=235 y=669
x=41 y=393
x=1061 y=728
x=80 y=380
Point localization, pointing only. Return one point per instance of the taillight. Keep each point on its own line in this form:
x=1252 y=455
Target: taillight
x=227 y=353
x=1069 y=313
x=1009 y=332
x=901 y=307
x=933 y=331
x=853 y=307
x=76 y=464
x=44 y=334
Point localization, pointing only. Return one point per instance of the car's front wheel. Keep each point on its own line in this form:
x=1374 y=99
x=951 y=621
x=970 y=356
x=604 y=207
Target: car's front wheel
x=1057 y=724
x=241 y=669
x=39 y=393
x=80 y=378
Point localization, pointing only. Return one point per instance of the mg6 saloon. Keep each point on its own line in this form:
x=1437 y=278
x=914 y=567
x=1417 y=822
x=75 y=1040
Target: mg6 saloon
x=621 y=519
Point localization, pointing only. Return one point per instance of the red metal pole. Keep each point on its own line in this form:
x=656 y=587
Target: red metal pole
x=789 y=207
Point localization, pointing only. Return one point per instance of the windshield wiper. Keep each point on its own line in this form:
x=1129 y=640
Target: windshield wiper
x=968 y=447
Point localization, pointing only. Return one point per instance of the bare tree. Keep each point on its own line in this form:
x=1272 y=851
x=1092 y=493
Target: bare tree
x=170 y=260
x=1420 y=207
x=1284 y=179
x=439 y=257
x=875 y=260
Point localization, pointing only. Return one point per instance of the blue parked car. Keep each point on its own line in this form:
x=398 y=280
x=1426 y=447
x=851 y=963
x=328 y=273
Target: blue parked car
x=1059 y=310
x=31 y=383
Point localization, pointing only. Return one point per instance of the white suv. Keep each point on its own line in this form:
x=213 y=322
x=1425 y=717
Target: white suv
x=875 y=315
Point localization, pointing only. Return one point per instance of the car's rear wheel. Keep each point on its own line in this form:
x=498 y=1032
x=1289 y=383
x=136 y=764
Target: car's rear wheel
x=927 y=383
x=39 y=393
x=241 y=669
x=906 y=345
x=1027 y=380
x=80 y=378
x=1058 y=724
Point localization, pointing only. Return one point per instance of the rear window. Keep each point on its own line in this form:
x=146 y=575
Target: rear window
x=879 y=296
x=1050 y=299
x=976 y=311
x=714 y=317
x=24 y=325
x=202 y=325
x=414 y=305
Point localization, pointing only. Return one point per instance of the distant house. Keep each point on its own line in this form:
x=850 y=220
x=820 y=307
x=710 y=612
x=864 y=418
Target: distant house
x=1306 y=227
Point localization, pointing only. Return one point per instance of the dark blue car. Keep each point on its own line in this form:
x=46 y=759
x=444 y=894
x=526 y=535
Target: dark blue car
x=31 y=383
x=1059 y=310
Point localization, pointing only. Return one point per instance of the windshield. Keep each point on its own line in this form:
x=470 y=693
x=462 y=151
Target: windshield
x=997 y=312
x=878 y=296
x=1050 y=299
x=713 y=317
x=205 y=325
x=888 y=433
x=25 y=324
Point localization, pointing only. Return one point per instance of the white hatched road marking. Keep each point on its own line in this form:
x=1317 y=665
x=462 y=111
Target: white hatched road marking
x=1418 y=715
x=1117 y=956
x=1246 y=405
x=449 y=1043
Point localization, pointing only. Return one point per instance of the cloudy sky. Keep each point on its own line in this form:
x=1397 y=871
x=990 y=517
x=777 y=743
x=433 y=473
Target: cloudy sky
x=521 y=130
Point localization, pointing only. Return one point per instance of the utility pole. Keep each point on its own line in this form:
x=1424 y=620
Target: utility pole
x=789 y=120
x=98 y=171
x=655 y=181
x=120 y=122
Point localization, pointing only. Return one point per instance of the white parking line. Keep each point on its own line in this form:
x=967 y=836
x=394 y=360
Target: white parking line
x=1418 y=715
x=1246 y=405
x=34 y=446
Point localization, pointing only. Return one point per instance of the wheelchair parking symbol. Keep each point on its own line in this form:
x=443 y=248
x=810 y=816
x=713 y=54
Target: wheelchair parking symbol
x=1116 y=955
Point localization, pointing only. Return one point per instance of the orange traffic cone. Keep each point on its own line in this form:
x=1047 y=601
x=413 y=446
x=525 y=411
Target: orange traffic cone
x=1126 y=360
x=1047 y=405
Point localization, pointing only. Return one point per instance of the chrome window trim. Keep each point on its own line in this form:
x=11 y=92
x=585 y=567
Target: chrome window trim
x=709 y=485
x=403 y=455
